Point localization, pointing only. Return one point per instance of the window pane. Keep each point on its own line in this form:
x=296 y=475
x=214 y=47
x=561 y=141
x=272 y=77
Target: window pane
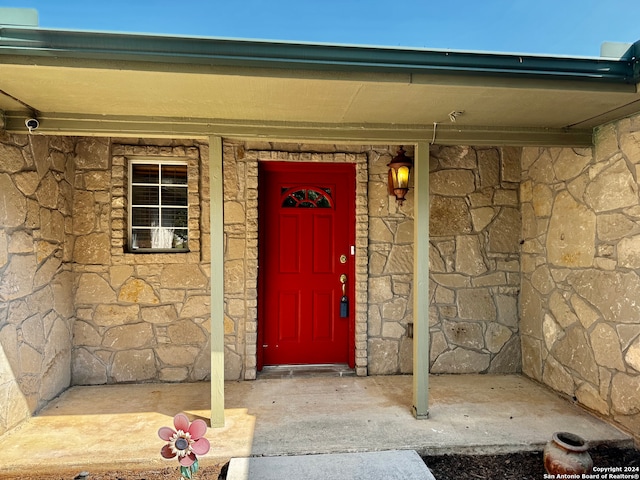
x=140 y=238
x=180 y=238
x=323 y=202
x=144 y=195
x=307 y=198
x=313 y=195
x=289 y=202
x=144 y=173
x=144 y=217
x=174 y=217
x=174 y=174
x=162 y=238
x=159 y=238
x=174 y=196
x=159 y=214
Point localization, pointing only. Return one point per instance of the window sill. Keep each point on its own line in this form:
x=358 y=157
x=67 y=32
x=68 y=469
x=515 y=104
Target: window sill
x=137 y=251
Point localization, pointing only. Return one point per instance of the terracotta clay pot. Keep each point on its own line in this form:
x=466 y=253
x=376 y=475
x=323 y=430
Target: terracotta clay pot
x=566 y=453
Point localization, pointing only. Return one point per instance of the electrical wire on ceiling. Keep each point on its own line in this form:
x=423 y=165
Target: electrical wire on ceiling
x=24 y=104
x=453 y=116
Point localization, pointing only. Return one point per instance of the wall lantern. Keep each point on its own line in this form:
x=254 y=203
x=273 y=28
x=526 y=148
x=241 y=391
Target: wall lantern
x=399 y=169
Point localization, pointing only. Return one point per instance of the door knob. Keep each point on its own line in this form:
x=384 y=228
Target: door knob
x=343 y=281
x=344 y=301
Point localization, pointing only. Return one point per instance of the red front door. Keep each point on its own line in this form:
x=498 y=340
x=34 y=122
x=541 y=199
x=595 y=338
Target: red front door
x=306 y=244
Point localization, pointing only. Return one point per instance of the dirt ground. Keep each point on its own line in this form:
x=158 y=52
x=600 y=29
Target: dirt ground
x=518 y=466
x=169 y=473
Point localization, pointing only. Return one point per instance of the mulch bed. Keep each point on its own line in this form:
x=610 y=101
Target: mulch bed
x=520 y=466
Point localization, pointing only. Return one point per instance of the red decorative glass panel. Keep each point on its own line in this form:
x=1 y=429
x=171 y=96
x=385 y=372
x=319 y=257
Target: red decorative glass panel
x=306 y=197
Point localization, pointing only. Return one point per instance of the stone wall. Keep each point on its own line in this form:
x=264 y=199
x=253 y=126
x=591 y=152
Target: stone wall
x=390 y=253
x=139 y=316
x=474 y=259
x=36 y=304
x=474 y=285
x=65 y=272
x=580 y=322
x=240 y=262
x=241 y=244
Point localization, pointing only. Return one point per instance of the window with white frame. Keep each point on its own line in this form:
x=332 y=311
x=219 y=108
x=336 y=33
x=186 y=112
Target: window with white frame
x=158 y=206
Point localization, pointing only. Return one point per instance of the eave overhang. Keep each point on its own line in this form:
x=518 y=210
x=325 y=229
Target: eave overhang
x=345 y=93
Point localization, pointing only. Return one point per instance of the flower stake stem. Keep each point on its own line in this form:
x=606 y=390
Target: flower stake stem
x=185 y=442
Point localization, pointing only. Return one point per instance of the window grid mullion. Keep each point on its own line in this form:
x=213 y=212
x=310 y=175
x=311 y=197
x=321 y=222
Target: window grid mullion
x=160 y=205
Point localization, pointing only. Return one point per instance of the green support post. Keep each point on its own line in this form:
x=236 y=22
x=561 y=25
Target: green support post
x=421 y=283
x=216 y=206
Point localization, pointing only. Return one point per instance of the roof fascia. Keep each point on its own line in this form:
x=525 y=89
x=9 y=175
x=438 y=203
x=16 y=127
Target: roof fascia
x=124 y=126
x=47 y=43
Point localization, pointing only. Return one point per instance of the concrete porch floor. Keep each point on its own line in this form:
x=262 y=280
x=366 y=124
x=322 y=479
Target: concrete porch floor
x=96 y=428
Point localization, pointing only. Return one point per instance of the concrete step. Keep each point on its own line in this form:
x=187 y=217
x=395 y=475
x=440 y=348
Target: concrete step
x=306 y=371
x=386 y=465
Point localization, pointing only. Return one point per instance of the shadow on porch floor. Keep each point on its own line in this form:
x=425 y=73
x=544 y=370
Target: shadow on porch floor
x=96 y=428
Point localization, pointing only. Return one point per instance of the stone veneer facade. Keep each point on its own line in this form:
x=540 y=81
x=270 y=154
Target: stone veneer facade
x=383 y=255
x=36 y=280
x=474 y=260
x=78 y=309
x=240 y=161
x=139 y=316
x=580 y=318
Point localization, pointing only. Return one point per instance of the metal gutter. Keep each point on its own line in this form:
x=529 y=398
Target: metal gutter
x=634 y=55
x=47 y=43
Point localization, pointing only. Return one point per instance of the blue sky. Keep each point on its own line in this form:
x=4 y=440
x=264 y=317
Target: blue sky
x=559 y=27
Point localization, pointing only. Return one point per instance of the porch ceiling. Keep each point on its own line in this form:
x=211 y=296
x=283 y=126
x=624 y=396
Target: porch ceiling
x=365 y=97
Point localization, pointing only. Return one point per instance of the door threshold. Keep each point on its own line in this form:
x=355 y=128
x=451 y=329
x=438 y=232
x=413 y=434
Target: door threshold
x=303 y=371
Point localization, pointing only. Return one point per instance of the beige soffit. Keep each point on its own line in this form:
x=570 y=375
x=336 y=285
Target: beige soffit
x=90 y=94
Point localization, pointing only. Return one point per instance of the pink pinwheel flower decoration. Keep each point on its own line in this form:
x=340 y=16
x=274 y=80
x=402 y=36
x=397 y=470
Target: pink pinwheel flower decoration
x=185 y=441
